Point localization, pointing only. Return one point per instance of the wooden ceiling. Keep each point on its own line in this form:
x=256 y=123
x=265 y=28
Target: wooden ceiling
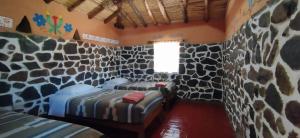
x=142 y=13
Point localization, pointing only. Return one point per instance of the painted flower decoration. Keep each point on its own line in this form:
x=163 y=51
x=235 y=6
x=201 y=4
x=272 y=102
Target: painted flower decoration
x=39 y=19
x=68 y=27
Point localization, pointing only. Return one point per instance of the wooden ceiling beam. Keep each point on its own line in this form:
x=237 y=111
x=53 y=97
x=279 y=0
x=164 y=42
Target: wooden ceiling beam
x=206 y=11
x=113 y=15
x=163 y=11
x=48 y=1
x=129 y=19
x=149 y=12
x=184 y=11
x=95 y=11
x=75 y=4
x=137 y=12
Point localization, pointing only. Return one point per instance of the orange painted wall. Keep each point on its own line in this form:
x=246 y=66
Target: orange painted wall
x=194 y=32
x=238 y=12
x=16 y=9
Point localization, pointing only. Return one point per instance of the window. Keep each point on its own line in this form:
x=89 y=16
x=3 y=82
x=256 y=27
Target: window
x=166 y=57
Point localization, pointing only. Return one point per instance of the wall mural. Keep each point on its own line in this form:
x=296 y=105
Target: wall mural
x=52 y=24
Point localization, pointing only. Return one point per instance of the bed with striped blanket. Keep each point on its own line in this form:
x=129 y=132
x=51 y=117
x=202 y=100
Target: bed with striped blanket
x=144 y=85
x=108 y=105
x=17 y=125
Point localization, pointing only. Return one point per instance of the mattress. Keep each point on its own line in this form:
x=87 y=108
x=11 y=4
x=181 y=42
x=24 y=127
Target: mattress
x=14 y=125
x=108 y=105
x=144 y=85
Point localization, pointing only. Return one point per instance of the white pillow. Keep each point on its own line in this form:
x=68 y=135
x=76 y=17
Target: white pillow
x=112 y=83
x=75 y=89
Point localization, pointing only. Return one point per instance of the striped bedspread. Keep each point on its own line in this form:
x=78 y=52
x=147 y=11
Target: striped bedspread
x=19 y=125
x=143 y=86
x=108 y=105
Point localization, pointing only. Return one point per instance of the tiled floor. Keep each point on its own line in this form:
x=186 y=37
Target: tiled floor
x=194 y=120
x=186 y=120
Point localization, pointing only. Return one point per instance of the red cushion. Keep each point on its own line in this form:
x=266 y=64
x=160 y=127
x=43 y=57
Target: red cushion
x=133 y=97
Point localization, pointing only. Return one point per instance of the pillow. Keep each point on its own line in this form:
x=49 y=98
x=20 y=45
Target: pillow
x=75 y=89
x=112 y=83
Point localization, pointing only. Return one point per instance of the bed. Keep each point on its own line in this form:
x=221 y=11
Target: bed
x=13 y=124
x=105 y=107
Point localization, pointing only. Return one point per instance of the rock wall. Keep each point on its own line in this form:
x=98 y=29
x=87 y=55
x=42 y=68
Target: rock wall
x=34 y=67
x=200 y=69
x=261 y=79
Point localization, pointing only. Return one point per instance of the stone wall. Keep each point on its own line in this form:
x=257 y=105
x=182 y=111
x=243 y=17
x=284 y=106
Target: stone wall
x=200 y=69
x=261 y=79
x=34 y=67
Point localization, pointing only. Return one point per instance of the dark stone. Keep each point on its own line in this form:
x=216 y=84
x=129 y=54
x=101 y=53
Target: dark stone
x=214 y=48
x=58 y=56
x=201 y=49
x=70 y=48
x=195 y=95
x=29 y=57
x=30 y=93
x=264 y=75
x=264 y=19
x=273 y=98
x=258 y=54
x=5 y=87
x=19 y=85
x=269 y=116
x=247 y=57
x=6 y=100
x=209 y=61
x=280 y=126
x=80 y=77
x=205 y=96
x=184 y=88
x=249 y=87
x=49 y=45
x=217 y=94
x=284 y=11
x=39 y=73
x=274 y=32
x=15 y=66
x=190 y=66
x=65 y=79
x=27 y=46
x=56 y=81
x=290 y=52
x=17 y=57
x=200 y=70
x=48 y=89
x=88 y=75
x=24 y=26
x=151 y=51
x=85 y=62
x=273 y=54
x=43 y=57
x=38 y=80
x=31 y=65
x=19 y=76
x=68 y=84
x=266 y=132
x=295 y=23
x=192 y=83
x=252 y=131
x=126 y=56
x=37 y=38
x=4 y=68
x=3 y=42
x=81 y=50
x=211 y=68
x=11 y=47
x=34 y=110
x=50 y=65
x=181 y=69
x=3 y=57
x=283 y=80
x=150 y=71
x=292 y=112
x=143 y=66
x=71 y=71
x=258 y=105
x=68 y=64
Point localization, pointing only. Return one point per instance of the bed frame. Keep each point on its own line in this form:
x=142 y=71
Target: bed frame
x=138 y=128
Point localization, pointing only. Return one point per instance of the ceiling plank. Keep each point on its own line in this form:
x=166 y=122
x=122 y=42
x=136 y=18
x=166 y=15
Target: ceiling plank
x=75 y=4
x=163 y=11
x=128 y=18
x=184 y=11
x=206 y=11
x=48 y=1
x=113 y=15
x=149 y=12
x=95 y=11
x=137 y=12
